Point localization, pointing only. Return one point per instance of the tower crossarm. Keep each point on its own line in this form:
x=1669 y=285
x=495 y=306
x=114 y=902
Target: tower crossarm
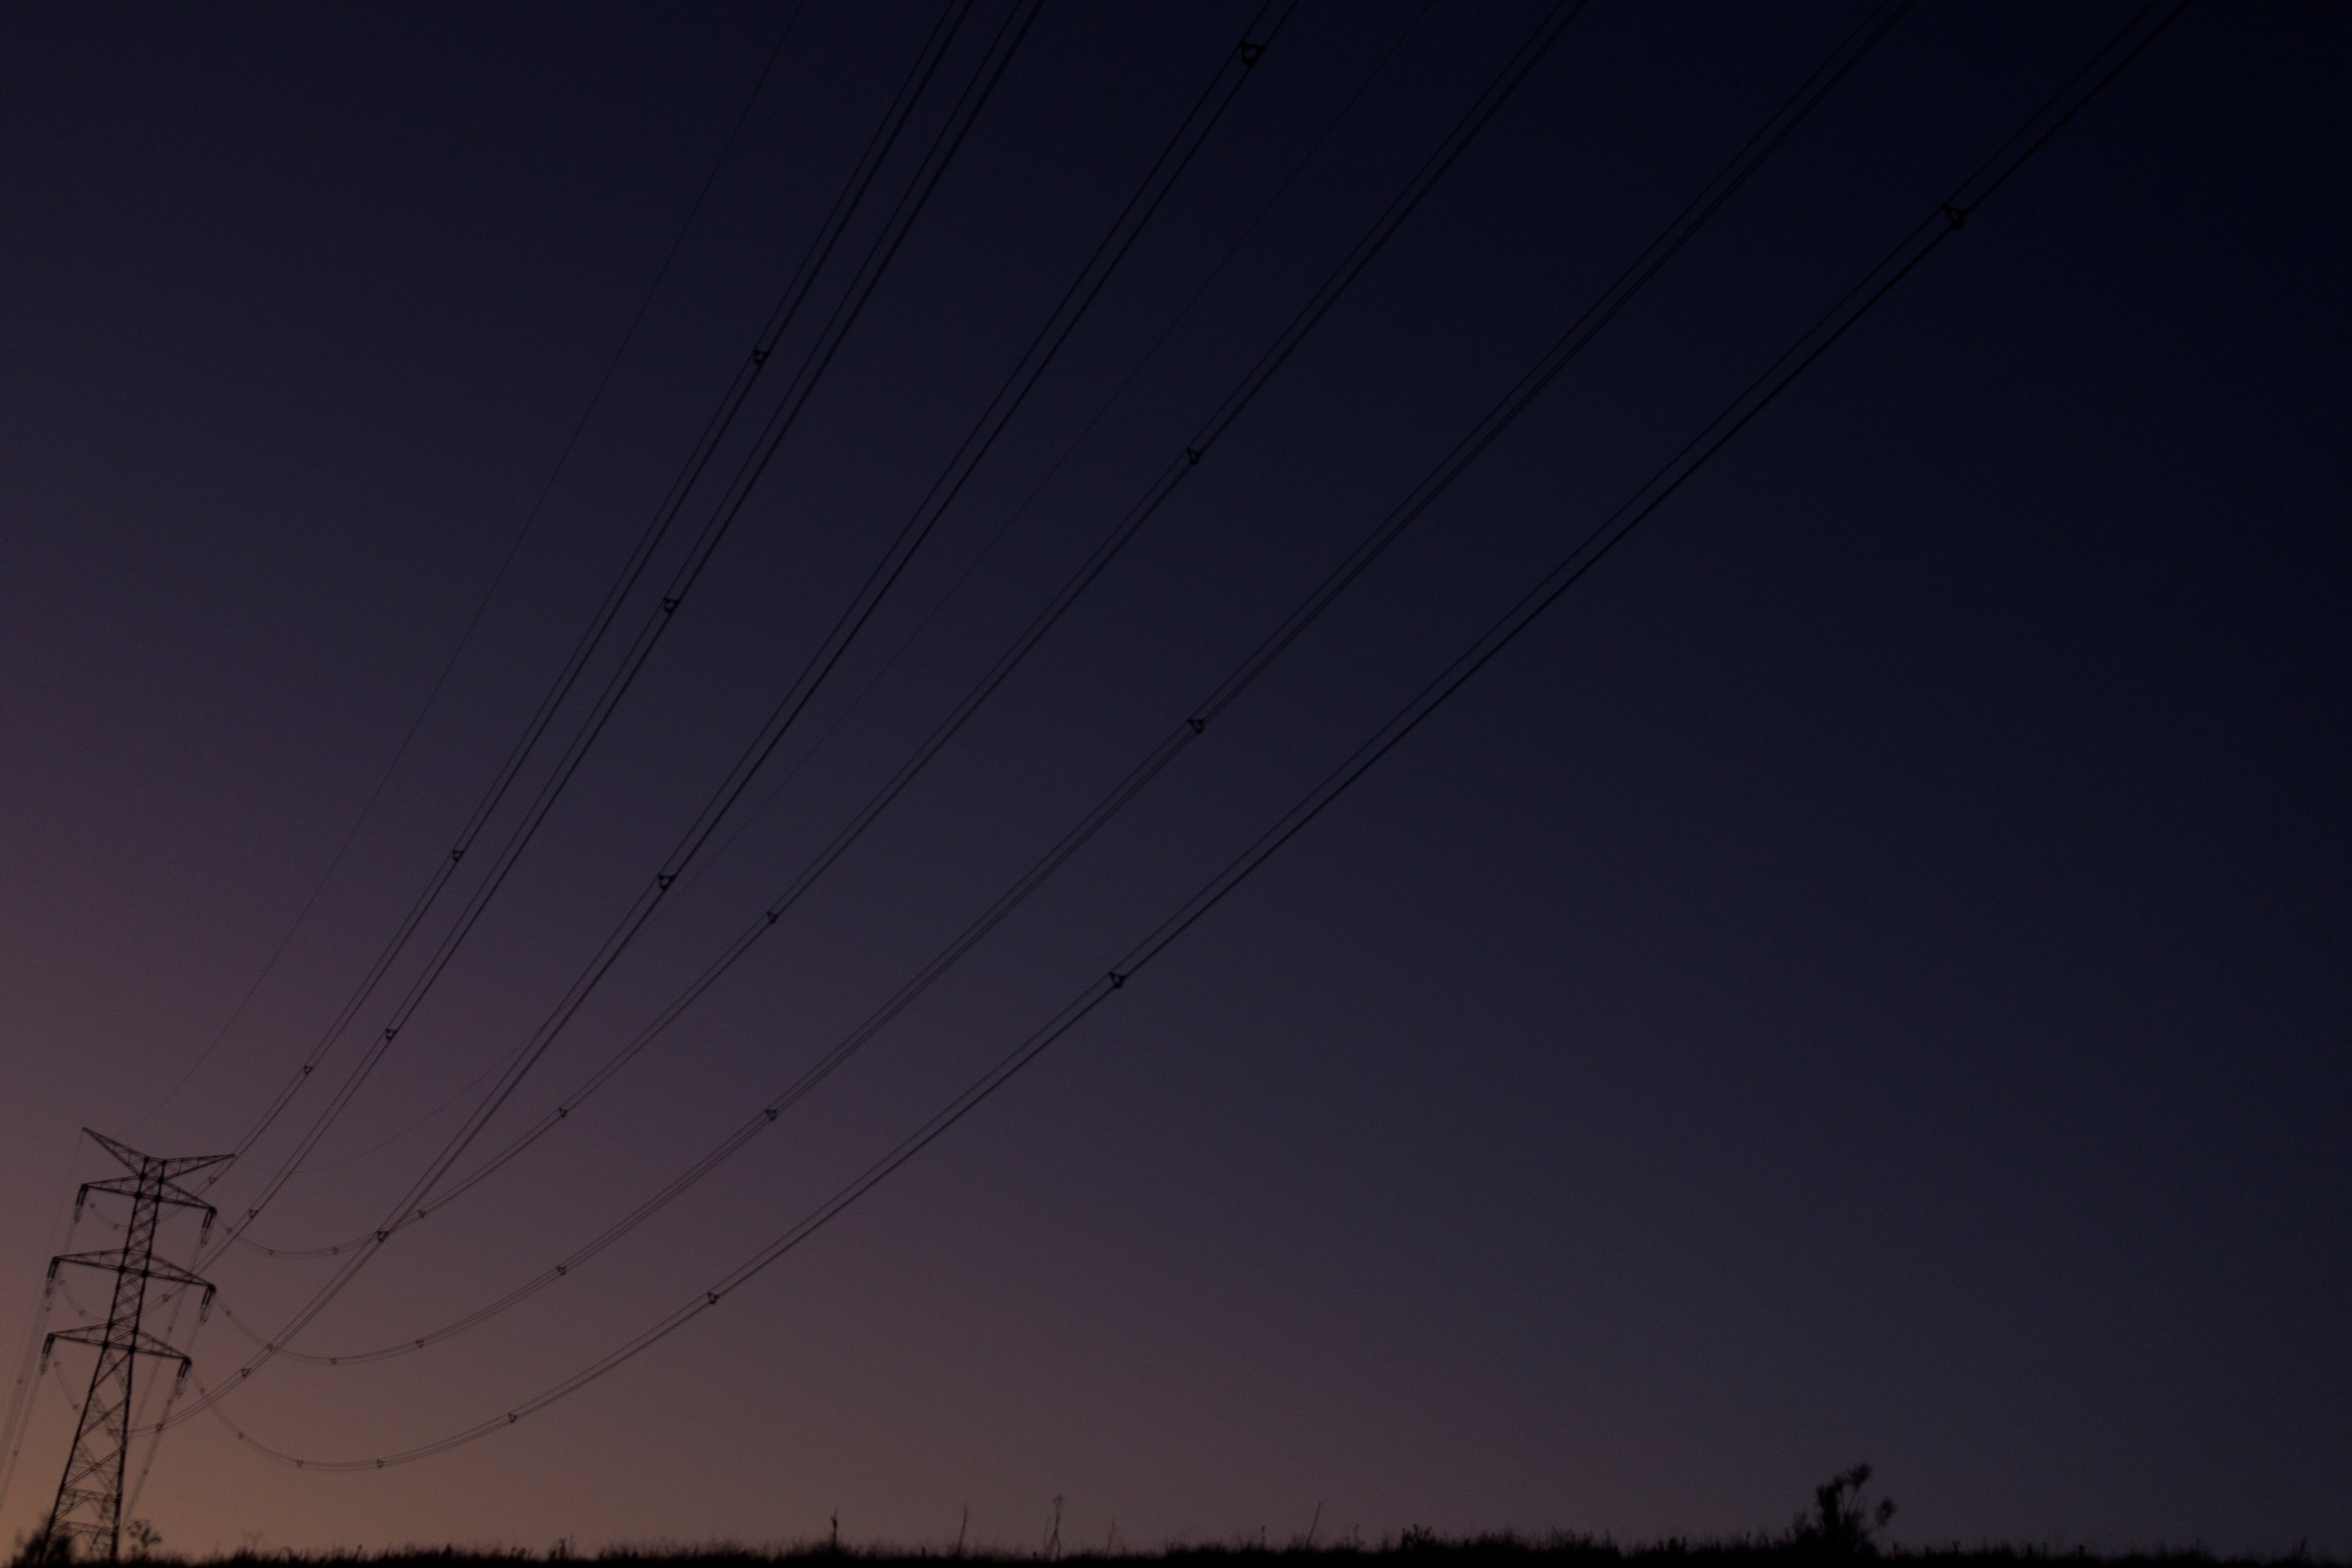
x=138 y=1163
x=152 y=1188
x=99 y=1336
x=122 y=1261
x=165 y=1192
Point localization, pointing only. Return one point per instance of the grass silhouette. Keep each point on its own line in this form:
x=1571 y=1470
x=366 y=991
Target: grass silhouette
x=1410 y=1549
x=1840 y=1527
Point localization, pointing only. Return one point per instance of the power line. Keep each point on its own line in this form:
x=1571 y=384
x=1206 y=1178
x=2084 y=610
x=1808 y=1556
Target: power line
x=845 y=314
x=337 y=1248
x=1898 y=264
x=1645 y=266
x=786 y=309
x=1237 y=67
x=19 y=1413
x=1052 y=471
x=506 y=562
x=1515 y=71
x=176 y=1299
x=994 y=62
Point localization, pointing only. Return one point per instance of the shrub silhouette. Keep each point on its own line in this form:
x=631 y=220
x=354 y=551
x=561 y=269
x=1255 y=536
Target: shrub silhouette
x=1840 y=1525
x=33 y=1550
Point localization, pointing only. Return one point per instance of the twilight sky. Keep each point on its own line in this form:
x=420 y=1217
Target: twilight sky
x=1864 y=978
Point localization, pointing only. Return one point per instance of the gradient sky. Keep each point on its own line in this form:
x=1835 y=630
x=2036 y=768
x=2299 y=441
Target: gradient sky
x=1864 y=980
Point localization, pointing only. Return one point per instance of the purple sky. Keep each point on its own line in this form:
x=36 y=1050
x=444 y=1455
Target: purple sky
x=1864 y=978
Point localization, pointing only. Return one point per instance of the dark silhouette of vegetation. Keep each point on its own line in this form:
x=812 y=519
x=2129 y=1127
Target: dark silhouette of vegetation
x=35 y=1550
x=1840 y=1524
x=1423 y=1548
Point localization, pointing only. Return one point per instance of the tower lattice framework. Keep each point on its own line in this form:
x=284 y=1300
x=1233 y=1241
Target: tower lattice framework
x=87 y=1517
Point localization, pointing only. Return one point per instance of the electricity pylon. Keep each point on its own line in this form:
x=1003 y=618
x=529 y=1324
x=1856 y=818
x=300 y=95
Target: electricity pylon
x=88 y=1514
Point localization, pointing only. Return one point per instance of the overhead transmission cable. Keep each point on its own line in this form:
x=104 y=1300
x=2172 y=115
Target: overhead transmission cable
x=820 y=246
x=1008 y=39
x=1514 y=71
x=663 y=516
x=448 y=1102
x=847 y=310
x=914 y=636
x=852 y=196
x=175 y=1298
x=1054 y=469
x=1645 y=266
x=1938 y=225
x=1233 y=68
x=17 y=1418
x=497 y=578
x=1175 y=157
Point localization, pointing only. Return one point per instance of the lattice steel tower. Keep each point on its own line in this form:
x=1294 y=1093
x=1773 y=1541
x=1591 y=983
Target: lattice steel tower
x=88 y=1510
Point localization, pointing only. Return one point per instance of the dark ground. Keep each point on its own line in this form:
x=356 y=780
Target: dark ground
x=1420 y=1550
